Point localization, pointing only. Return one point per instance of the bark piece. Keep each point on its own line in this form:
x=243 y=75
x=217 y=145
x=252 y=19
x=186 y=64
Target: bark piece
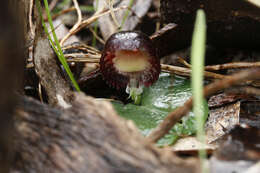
x=89 y=137
x=57 y=88
x=221 y=121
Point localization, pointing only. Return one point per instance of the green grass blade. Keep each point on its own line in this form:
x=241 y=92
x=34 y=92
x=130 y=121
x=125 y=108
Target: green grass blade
x=57 y=49
x=197 y=61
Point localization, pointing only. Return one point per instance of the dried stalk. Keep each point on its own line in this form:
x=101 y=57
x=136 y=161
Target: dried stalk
x=61 y=13
x=97 y=37
x=233 y=65
x=87 y=22
x=182 y=71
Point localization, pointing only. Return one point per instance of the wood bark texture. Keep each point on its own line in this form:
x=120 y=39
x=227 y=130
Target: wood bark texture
x=88 y=137
x=51 y=76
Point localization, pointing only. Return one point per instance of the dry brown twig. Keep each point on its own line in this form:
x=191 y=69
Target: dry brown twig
x=175 y=116
x=110 y=5
x=182 y=71
x=185 y=63
x=85 y=60
x=83 y=57
x=77 y=24
x=97 y=37
x=245 y=90
x=61 y=13
x=88 y=21
x=76 y=5
x=83 y=47
x=232 y=65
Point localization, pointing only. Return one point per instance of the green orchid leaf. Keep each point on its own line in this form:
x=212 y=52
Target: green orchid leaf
x=157 y=101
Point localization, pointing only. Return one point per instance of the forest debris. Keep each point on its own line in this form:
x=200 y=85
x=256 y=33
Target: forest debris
x=187 y=71
x=96 y=36
x=87 y=137
x=87 y=22
x=57 y=88
x=225 y=98
x=221 y=99
x=245 y=91
x=61 y=30
x=137 y=9
x=93 y=56
x=77 y=24
x=65 y=11
x=221 y=121
x=189 y=145
x=232 y=65
x=237 y=151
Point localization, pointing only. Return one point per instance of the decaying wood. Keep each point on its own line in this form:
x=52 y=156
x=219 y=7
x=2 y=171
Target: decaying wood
x=88 y=137
x=57 y=87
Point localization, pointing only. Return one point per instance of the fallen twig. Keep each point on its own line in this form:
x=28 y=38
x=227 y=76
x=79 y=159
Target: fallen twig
x=84 y=23
x=185 y=63
x=97 y=37
x=76 y=5
x=110 y=4
x=86 y=60
x=245 y=90
x=182 y=71
x=61 y=13
x=82 y=47
x=233 y=65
